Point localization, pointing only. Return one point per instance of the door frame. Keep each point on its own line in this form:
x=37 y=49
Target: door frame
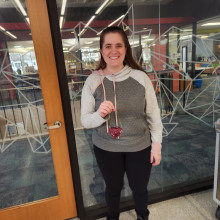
x=63 y=83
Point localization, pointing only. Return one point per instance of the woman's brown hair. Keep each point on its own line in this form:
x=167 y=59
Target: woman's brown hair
x=129 y=60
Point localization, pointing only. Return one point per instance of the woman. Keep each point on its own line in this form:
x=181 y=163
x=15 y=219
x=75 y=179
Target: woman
x=119 y=103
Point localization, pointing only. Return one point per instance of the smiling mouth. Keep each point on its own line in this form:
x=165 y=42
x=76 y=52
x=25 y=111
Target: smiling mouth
x=113 y=58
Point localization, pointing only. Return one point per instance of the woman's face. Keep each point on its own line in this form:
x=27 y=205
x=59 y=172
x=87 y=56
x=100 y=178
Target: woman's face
x=113 y=51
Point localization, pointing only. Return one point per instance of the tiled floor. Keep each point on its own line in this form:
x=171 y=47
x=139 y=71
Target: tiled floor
x=198 y=206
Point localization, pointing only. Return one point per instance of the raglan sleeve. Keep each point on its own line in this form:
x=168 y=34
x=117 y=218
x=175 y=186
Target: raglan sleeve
x=153 y=113
x=89 y=117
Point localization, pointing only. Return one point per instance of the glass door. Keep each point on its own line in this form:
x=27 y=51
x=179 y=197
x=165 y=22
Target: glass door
x=35 y=174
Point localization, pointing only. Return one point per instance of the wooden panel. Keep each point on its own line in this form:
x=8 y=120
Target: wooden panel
x=176 y=77
x=62 y=206
x=42 y=210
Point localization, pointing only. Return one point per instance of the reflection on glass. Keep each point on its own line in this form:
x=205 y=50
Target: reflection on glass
x=191 y=100
x=26 y=163
x=188 y=94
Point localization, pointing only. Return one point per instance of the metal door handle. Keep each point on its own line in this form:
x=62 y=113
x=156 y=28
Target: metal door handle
x=57 y=124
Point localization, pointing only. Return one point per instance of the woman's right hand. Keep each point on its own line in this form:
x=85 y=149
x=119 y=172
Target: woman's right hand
x=106 y=108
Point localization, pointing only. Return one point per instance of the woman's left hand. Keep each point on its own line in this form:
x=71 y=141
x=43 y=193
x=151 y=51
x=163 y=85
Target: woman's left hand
x=155 y=158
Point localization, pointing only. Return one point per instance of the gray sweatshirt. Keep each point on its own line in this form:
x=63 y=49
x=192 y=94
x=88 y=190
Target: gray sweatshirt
x=137 y=109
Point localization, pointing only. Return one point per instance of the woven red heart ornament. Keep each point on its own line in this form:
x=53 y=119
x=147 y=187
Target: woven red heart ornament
x=115 y=132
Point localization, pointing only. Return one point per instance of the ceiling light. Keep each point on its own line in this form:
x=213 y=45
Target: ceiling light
x=61 y=21
x=85 y=28
x=211 y=24
x=144 y=28
x=91 y=19
x=18 y=3
x=8 y=33
x=28 y=20
x=116 y=20
x=102 y=6
x=72 y=32
x=17 y=46
x=82 y=32
x=125 y=29
x=99 y=32
x=11 y=35
x=2 y=28
x=63 y=7
x=72 y=47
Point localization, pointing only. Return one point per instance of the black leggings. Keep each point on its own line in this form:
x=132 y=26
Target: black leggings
x=113 y=166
